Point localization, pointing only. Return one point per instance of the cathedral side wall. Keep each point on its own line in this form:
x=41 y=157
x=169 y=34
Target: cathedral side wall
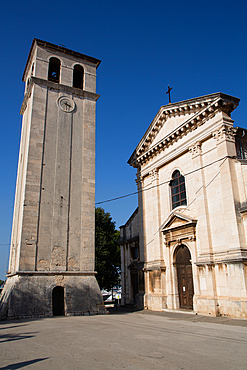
x=129 y=239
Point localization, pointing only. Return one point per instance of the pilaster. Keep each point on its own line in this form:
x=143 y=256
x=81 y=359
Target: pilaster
x=204 y=242
x=156 y=215
x=141 y=211
x=226 y=149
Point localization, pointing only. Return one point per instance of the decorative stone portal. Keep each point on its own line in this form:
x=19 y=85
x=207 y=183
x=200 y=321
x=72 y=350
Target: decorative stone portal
x=58 y=301
x=185 y=277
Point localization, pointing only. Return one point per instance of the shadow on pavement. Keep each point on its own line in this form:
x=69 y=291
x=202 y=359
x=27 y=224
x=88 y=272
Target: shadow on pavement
x=179 y=315
x=119 y=310
x=19 y=365
x=13 y=337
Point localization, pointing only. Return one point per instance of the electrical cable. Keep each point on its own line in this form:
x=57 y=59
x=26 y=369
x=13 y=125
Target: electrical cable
x=165 y=182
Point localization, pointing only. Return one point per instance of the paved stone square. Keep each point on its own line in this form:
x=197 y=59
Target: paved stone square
x=124 y=340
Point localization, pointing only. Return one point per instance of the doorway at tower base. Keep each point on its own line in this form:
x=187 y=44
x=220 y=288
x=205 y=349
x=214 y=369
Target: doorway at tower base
x=34 y=295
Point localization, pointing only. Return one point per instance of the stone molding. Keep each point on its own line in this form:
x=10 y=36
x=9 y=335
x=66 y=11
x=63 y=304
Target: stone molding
x=49 y=273
x=124 y=240
x=154 y=266
x=238 y=255
x=223 y=261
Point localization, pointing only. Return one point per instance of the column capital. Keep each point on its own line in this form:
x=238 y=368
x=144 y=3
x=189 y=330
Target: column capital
x=154 y=174
x=139 y=180
x=196 y=149
x=225 y=133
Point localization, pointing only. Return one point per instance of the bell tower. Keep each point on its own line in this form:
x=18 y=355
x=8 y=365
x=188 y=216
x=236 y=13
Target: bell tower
x=51 y=266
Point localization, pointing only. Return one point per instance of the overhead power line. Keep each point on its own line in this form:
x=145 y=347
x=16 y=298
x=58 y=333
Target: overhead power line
x=121 y=197
x=165 y=182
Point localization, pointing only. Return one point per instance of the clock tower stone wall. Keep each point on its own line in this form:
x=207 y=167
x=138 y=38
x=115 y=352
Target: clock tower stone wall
x=53 y=224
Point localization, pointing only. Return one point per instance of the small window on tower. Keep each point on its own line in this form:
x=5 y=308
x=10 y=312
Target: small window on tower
x=78 y=76
x=54 y=70
x=178 y=191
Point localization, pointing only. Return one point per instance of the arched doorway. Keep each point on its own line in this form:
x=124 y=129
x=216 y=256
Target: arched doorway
x=58 y=301
x=185 y=277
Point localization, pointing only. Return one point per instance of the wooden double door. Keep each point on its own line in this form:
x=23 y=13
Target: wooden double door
x=185 y=277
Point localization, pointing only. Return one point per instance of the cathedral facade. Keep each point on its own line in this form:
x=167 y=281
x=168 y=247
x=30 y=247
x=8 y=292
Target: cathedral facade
x=185 y=245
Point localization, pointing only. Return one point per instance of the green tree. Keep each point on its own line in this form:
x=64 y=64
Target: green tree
x=107 y=250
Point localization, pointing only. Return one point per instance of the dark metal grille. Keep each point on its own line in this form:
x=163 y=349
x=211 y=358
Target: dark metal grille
x=178 y=190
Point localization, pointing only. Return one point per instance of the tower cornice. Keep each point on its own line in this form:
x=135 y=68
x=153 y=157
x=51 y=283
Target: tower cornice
x=55 y=86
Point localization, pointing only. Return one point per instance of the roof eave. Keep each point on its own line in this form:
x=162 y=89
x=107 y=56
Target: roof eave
x=61 y=49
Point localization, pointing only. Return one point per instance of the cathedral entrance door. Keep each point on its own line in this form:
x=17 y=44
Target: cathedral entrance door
x=185 y=277
x=58 y=301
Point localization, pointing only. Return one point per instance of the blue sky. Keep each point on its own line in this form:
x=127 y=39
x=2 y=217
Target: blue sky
x=196 y=47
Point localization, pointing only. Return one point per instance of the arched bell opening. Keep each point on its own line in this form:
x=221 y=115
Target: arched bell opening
x=58 y=301
x=78 y=74
x=54 y=70
x=184 y=276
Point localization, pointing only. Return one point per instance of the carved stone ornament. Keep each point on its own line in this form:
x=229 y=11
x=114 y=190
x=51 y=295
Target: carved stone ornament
x=65 y=104
x=196 y=149
x=139 y=180
x=154 y=174
x=166 y=242
x=225 y=133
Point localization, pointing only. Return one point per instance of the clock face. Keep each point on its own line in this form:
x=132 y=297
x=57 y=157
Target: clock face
x=65 y=104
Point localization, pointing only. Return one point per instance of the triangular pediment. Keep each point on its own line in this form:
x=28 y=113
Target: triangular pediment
x=136 y=265
x=174 y=121
x=177 y=220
